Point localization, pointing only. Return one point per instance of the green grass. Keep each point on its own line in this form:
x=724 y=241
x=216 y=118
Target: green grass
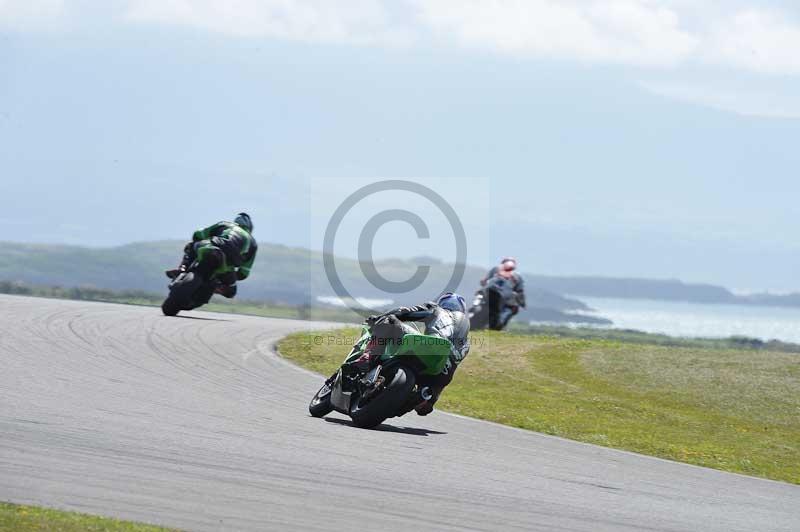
x=734 y=409
x=639 y=337
x=19 y=518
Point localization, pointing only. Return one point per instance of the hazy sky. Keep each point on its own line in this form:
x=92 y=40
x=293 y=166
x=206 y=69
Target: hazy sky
x=609 y=137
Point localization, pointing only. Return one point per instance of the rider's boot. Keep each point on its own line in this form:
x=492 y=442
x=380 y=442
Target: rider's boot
x=179 y=270
x=186 y=261
x=172 y=274
x=506 y=315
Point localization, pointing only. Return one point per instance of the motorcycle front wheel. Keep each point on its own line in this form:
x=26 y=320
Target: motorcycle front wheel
x=321 y=403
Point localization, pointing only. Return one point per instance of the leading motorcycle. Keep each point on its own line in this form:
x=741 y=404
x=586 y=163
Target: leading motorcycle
x=189 y=290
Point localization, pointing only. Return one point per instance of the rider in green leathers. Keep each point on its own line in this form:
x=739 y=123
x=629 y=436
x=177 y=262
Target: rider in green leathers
x=446 y=319
x=225 y=252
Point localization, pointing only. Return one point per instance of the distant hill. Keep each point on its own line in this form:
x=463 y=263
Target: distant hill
x=296 y=276
x=664 y=290
x=281 y=274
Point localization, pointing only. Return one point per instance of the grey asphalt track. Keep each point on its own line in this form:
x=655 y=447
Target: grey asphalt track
x=197 y=424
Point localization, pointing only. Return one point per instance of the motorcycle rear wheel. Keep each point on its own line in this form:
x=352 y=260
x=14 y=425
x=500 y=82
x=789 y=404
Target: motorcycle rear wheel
x=170 y=307
x=385 y=404
x=180 y=293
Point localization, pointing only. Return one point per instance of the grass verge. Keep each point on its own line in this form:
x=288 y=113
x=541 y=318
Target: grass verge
x=18 y=518
x=731 y=409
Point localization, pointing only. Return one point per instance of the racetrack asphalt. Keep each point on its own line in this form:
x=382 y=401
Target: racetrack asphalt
x=196 y=423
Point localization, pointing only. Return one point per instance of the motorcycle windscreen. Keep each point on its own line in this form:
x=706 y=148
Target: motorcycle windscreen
x=358 y=347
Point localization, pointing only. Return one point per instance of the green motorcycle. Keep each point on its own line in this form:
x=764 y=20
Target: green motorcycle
x=371 y=389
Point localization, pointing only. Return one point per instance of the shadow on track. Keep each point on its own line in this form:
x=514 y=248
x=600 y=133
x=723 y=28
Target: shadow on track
x=386 y=428
x=198 y=318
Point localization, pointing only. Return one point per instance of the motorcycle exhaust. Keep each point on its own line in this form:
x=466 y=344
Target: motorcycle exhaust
x=426 y=393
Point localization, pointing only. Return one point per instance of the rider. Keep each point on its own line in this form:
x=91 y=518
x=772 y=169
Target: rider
x=446 y=319
x=228 y=249
x=507 y=270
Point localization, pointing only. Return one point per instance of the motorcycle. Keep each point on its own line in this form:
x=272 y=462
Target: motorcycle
x=373 y=388
x=489 y=302
x=189 y=290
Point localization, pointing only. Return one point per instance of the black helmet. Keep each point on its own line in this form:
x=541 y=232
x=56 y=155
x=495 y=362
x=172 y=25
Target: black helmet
x=243 y=220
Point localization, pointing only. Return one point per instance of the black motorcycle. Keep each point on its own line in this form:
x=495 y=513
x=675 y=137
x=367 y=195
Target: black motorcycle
x=489 y=302
x=189 y=290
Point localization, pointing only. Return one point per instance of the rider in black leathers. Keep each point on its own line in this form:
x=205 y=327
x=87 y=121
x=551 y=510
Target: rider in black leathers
x=507 y=270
